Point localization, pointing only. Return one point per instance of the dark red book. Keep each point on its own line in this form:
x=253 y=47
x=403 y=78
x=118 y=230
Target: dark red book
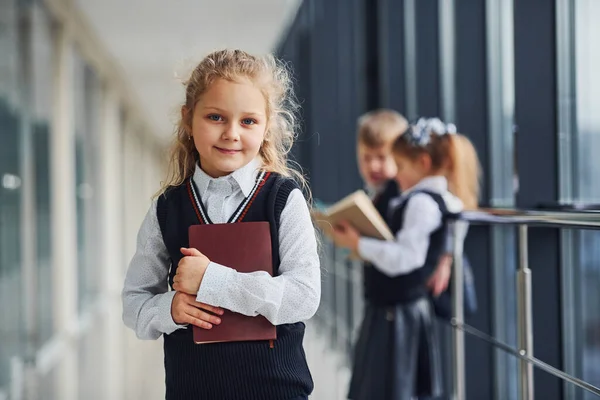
x=245 y=247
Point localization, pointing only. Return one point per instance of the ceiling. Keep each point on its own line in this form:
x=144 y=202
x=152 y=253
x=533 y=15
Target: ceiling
x=157 y=42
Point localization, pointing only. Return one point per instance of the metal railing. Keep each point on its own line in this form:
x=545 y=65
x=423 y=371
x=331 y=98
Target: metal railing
x=342 y=303
x=524 y=220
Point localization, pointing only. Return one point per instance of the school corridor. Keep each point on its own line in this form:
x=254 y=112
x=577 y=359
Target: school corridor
x=90 y=91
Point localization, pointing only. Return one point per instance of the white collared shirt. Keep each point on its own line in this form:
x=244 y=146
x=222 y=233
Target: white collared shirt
x=222 y=196
x=373 y=191
x=422 y=217
x=292 y=296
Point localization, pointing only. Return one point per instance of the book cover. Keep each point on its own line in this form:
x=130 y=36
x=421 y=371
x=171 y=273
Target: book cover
x=246 y=247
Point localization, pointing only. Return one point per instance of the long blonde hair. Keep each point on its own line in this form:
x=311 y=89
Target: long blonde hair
x=464 y=171
x=274 y=80
x=452 y=155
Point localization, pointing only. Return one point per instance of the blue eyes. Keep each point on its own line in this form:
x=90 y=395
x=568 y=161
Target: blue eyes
x=218 y=118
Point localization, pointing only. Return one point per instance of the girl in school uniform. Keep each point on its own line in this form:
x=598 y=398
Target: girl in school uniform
x=377 y=131
x=397 y=355
x=228 y=165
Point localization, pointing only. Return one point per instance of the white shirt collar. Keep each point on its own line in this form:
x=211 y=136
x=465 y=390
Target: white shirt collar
x=244 y=178
x=436 y=184
x=373 y=191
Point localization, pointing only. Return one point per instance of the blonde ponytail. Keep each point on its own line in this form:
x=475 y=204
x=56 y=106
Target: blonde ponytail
x=463 y=171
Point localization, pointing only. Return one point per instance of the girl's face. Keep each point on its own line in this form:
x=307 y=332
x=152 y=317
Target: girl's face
x=228 y=126
x=411 y=171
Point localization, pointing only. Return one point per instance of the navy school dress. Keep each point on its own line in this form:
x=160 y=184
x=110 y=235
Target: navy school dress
x=397 y=355
x=238 y=370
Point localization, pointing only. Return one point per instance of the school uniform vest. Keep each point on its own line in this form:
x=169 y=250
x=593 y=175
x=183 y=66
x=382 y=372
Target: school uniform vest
x=237 y=370
x=381 y=202
x=383 y=199
x=382 y=289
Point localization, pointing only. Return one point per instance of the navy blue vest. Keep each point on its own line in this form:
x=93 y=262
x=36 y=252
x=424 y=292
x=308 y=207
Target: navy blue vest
x=381 y=203
x=240 y=370
x=382 y=200
x=381 y=289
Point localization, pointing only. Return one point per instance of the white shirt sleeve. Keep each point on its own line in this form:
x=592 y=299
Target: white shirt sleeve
x=408 y=252
x=145 y=296
x=290 y=297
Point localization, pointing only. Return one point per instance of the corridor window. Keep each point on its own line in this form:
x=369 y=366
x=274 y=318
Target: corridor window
x=87 y=105
x=11 y=118
x=501 y=114
x=587 y=182
x=42 y=85
x=579 y=138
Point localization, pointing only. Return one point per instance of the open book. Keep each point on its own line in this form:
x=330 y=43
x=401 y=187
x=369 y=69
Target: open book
x=358 y=210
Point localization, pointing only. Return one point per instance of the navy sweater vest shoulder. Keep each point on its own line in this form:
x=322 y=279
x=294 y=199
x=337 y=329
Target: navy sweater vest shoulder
x=381 y=289
x=239 y=370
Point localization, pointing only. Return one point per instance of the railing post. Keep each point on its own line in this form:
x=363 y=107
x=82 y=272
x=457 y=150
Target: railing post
x=458 y=336
x=525 y=320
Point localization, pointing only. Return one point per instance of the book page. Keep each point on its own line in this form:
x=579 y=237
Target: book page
x=358 y=210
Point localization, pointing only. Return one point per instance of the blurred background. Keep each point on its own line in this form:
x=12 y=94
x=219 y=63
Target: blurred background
x=89 y=91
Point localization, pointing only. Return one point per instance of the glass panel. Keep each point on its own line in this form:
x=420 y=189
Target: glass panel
x=587 y=186
x=587 y=32
x=42 y=113
x=86 y=133
x=589 y=298
x=501 y=98
x=578 y=98
x=11 y=323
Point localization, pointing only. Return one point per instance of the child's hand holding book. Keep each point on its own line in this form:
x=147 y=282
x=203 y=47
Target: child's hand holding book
x=358 y=212
x=190 y=271
x=345 y=235
x=186 y=310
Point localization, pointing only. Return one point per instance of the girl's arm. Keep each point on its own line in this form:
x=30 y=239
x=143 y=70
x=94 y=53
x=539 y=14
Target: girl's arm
x=408 y=252
x=145 y=296
x=291 y=297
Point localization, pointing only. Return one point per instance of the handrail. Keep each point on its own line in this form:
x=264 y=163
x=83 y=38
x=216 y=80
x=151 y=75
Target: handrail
x=581 y=219
x=551 y=219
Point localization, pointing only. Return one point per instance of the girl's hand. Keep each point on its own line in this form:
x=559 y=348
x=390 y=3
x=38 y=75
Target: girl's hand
x=344 y=235
x=438 y=281
x=190 y=271
x=186 y=310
